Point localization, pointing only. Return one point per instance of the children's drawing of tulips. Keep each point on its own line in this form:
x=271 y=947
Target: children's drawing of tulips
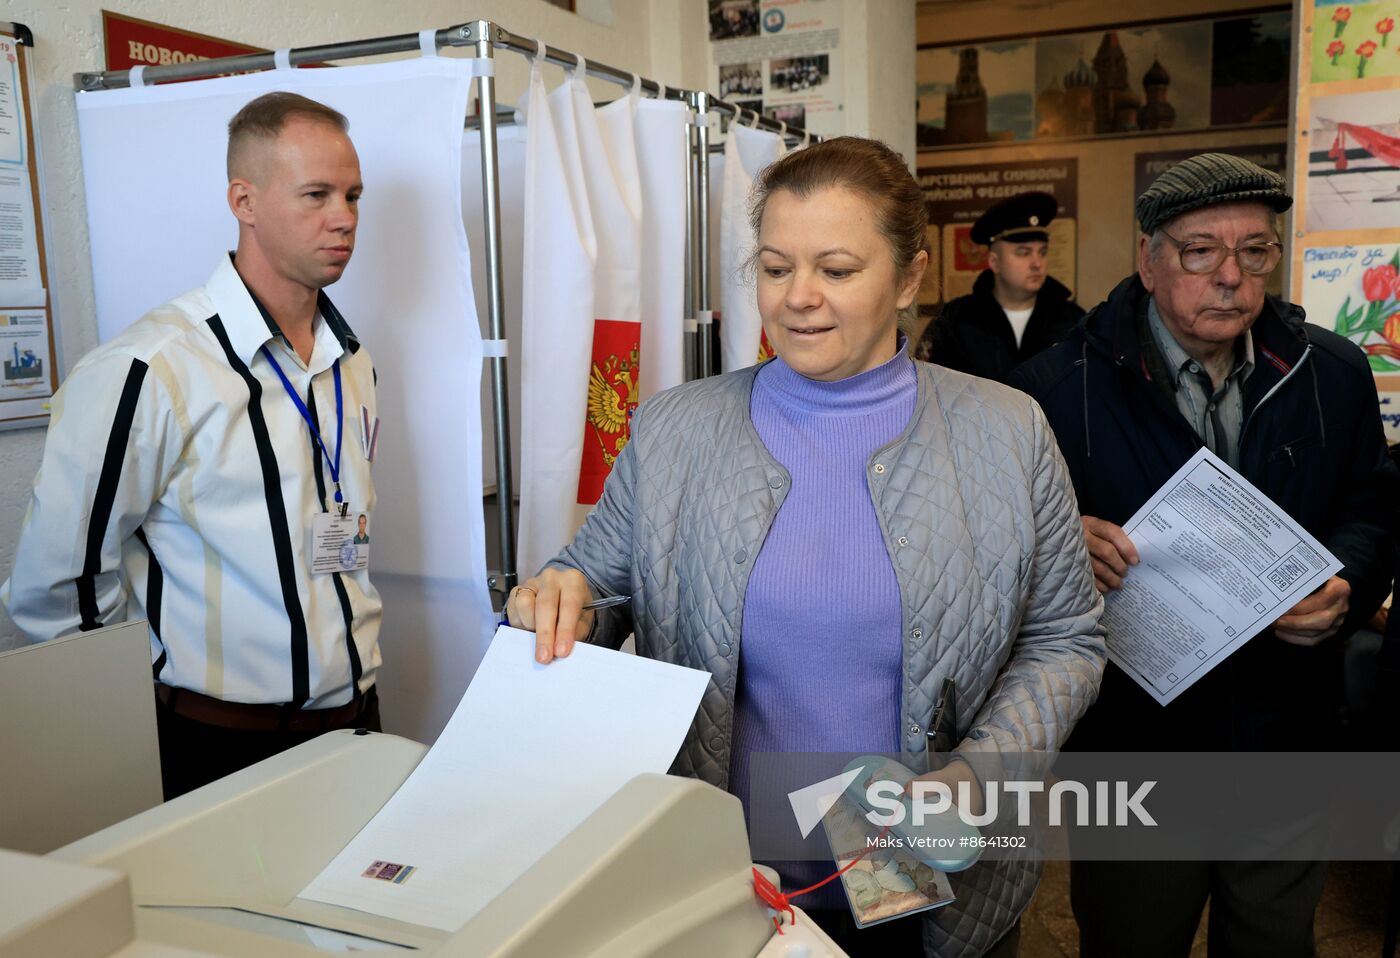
x=1341 y=16
x=1364 y=52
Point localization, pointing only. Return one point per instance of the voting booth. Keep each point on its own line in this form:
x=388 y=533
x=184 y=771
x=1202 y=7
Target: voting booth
x=662 y=868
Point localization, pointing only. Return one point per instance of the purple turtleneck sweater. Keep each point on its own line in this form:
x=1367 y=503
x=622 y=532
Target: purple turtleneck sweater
x=821 y=652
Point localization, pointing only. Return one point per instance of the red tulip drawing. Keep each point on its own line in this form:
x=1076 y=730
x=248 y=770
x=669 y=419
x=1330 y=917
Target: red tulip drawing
x=1340 y=16
x=1374 y=324
x=1363 y=56
x=1384 y=28
x=1335 y=49
x=1378 y=282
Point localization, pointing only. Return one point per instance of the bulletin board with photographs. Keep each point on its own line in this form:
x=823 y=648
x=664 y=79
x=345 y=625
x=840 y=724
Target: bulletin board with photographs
x=1345 y=267
x=780 y=58
x=1144 y=78
x=28 y=346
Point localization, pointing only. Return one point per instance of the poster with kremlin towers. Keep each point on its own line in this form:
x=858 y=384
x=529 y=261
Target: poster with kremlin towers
x=1181 y=75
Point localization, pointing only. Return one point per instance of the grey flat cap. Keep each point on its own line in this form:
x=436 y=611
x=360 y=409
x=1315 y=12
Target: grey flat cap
x=1209 y=179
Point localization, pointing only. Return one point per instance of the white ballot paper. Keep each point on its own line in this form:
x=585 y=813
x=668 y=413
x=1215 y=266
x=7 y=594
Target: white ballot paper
x=531 y=751
x=1219 y=562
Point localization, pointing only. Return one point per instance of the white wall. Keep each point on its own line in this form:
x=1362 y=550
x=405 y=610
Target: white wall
x=885 y=58
x=68 y=40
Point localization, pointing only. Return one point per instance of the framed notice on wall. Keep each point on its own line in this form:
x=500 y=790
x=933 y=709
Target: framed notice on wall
x=28 y=345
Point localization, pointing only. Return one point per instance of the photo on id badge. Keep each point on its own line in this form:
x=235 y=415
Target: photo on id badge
x=339 y=542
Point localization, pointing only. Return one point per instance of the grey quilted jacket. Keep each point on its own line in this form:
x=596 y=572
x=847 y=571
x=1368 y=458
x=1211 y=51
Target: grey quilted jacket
x=979 y=518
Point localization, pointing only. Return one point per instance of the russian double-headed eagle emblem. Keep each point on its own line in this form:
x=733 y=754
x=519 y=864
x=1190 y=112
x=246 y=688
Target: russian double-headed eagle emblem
x=612 y=396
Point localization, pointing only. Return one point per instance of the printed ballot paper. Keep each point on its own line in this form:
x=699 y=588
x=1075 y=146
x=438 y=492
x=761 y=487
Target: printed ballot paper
x=1219 y=562
x=531 y=751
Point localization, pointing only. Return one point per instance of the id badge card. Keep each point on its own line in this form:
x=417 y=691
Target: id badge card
x=339 y=543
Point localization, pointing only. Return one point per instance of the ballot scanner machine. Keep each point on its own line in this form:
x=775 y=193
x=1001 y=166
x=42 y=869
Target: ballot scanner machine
x=662 y=868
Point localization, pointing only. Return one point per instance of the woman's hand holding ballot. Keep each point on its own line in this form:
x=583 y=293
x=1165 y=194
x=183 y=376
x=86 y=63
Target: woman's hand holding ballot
x=551 y=605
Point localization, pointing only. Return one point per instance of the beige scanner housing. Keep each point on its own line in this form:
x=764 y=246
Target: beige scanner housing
x=662 y=868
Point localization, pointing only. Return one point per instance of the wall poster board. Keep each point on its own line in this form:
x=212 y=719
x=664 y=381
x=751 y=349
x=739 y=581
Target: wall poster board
x=781 y=58
x=1345 y=262
x=28 y=345
x=1136 y=78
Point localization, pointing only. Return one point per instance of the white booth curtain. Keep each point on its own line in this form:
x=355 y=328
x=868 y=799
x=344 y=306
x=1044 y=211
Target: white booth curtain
x=746 y=152
x=603 y=280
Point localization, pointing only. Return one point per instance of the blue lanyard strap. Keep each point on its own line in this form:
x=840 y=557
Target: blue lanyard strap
x=334 y=464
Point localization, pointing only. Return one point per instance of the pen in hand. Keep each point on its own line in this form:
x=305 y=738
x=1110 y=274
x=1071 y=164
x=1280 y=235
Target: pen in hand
x=607 y=602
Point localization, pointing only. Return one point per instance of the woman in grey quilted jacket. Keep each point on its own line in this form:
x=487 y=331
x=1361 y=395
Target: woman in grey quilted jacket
x=834 y=533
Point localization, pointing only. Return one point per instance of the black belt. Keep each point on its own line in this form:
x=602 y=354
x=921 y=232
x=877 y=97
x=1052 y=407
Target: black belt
x=247 y=717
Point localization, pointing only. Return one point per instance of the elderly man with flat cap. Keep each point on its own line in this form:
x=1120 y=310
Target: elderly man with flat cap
x=1187 y=352
x=1016 y=308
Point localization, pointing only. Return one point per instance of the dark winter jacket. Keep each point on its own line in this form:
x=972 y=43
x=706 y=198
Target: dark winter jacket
x=1311 y=441
x=973 y=335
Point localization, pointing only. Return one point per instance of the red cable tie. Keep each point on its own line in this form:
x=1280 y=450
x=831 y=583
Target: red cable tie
x=768 y=893
x=776 y=900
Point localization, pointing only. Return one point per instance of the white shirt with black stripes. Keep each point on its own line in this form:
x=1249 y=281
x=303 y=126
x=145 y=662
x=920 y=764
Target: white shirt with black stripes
x=178 y=484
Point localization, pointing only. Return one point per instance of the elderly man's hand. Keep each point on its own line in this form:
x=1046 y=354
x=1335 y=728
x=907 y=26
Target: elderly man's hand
x=1317 y=617
x=1111 y=552
x=551 y=606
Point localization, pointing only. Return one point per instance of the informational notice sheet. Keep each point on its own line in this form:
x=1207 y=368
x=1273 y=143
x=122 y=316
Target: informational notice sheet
x=24 y=354
x=531 y=752
x=1219 y=562
x=20 y=281
x=12 y=119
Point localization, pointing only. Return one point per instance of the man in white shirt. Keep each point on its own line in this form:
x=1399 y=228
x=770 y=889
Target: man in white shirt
x=1016 y=308
x=199 y=472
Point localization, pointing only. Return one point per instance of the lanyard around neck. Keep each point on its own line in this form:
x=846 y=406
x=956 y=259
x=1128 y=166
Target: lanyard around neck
x=334 y=464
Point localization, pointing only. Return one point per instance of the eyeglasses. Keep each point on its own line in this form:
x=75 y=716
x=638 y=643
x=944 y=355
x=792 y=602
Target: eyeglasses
x=1254 y=258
